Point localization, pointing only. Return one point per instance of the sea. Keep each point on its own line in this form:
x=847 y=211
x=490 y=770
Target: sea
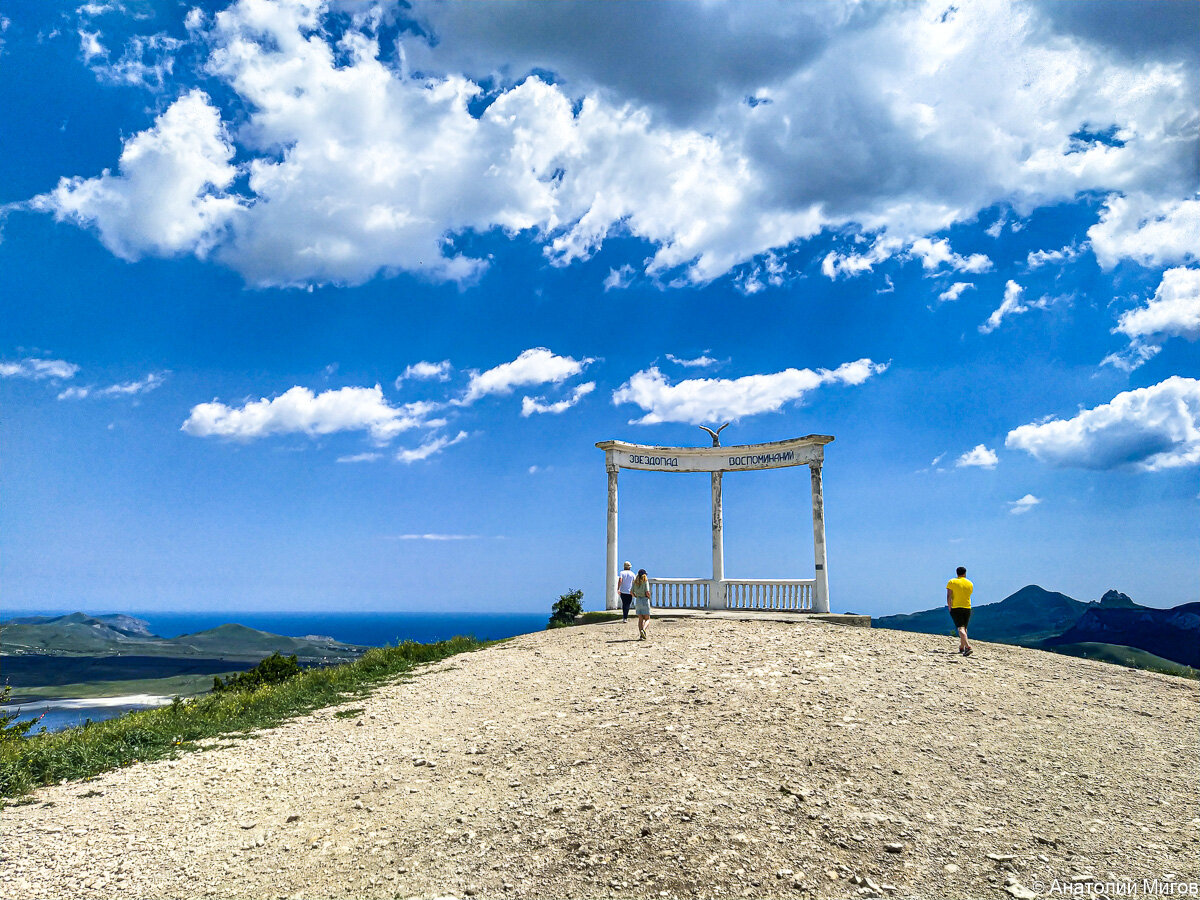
x=369 y=629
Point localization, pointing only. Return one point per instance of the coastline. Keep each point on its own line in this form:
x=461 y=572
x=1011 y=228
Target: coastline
x=147 y=700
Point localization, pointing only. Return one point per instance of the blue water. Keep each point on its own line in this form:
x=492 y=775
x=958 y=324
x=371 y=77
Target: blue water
x=364 y=629
x=58 y=719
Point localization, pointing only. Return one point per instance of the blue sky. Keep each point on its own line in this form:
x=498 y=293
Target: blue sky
x=325 y=309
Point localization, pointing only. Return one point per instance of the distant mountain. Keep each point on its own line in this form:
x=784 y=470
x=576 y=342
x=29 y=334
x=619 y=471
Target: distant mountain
x=1026 y=617
x=1117 y=599
x=249 y=641
x=79 y=633
x=1115 y=628
x=74 y=633
x=1173 y=634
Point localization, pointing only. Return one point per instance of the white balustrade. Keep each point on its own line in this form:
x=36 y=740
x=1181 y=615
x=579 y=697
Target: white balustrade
x=777 y=594
x=679 y=593
x=794 y=595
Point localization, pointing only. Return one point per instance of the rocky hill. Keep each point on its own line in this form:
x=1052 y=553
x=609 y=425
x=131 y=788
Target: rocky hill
x=718 y=759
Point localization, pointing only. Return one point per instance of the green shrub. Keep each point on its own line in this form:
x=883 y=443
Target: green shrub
x=10 y=729
x=563 y=612
x=272 y=670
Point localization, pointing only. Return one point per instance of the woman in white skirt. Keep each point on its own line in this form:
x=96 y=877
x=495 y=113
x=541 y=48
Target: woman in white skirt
x=641 y=602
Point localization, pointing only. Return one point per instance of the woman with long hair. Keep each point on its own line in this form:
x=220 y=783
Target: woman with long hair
x=641 y=602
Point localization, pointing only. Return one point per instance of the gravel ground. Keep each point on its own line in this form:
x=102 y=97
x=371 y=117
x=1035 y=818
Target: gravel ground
x=717 y=759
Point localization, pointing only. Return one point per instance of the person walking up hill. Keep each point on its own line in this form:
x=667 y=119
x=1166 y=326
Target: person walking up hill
x=958 y=599
x=641 y=601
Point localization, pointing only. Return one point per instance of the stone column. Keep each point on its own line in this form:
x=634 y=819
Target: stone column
x=821 y=587
x=611 y=601
x=716 y=592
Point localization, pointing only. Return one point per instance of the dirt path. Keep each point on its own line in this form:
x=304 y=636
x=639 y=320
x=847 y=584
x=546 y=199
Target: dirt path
x=716 y=759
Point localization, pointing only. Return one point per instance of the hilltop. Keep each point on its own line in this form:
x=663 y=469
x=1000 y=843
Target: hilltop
x=718 y=759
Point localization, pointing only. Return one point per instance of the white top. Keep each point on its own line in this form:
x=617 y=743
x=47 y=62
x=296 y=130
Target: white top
x=625 y=582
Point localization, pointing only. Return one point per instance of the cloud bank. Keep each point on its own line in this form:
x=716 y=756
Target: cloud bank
x=1150 y=428
x=359 y=151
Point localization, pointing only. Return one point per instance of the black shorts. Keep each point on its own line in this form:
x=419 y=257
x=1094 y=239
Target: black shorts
x=961 y=615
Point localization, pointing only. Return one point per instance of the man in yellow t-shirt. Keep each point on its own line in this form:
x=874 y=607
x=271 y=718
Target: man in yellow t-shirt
x=958 y=599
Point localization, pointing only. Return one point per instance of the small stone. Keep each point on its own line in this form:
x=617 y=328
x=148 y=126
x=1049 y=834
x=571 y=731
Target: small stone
x=471 y=890
x=645 y=831
x=1020 y=892
x=894 y=848
x=357 y=804
x=949 y=868
x=1001 y=857
x=247 y=825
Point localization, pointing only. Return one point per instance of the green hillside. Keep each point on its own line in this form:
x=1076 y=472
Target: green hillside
x=1126 y=656
x=80 y=634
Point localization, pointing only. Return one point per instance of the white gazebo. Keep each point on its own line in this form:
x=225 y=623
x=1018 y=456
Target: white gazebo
x=719 y=592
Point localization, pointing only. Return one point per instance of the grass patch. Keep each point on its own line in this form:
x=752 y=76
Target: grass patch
x=27 y=763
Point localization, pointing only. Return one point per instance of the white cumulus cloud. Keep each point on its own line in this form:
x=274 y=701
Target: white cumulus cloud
x=1173 y=312
x=429 y=447
x=701 y=400
x=1150 y=428
x=1038 y=258
x=1147 y=230
x=360 y=457
x=537 y=365
x=38 y=369
x=531 y=405
x=427 y=371
x=703 y=361
x=935 y=254
x=169 y=195
x=1024 y=505
x=300 y=411
x=1013 y=304
x=123 y=389
x=619 y=279
x=954 y=291
x=980 y=457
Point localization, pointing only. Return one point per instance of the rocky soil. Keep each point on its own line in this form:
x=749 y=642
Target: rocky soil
x=717 y=759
